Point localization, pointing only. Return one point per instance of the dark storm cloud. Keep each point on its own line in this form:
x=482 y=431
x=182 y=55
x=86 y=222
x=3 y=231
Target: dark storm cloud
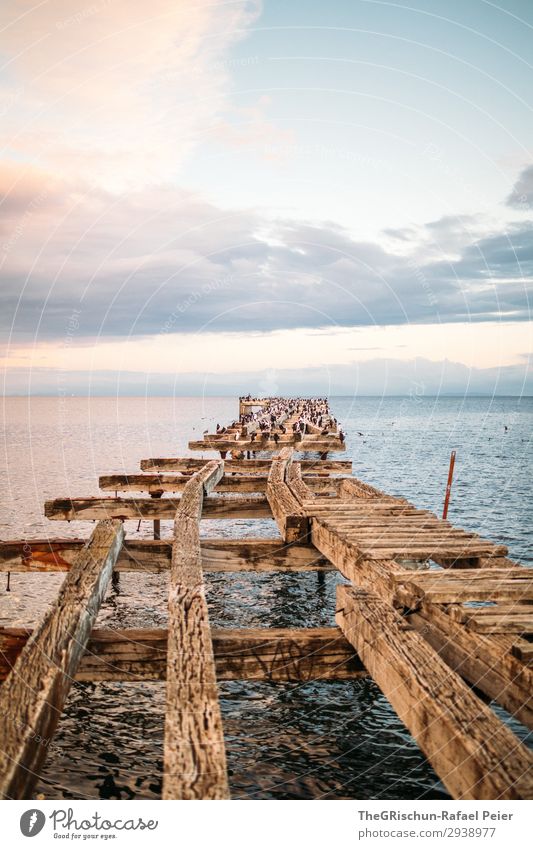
x=164 y=261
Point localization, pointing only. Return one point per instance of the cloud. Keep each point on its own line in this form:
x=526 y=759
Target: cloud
x=521 y=196
x=163 y=259
x=120 y=90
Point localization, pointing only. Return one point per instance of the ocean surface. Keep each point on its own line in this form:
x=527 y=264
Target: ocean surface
x=284 y=741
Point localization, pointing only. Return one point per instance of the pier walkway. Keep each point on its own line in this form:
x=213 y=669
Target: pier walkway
x=441 y=619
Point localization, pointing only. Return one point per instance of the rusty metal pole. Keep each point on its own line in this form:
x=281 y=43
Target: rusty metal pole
x=448 y=485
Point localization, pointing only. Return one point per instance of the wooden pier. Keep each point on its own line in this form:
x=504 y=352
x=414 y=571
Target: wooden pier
x=441 y=619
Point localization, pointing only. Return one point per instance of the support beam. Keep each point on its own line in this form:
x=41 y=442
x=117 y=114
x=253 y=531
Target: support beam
x=156 y=484
x=243 y=654
x=484 y=661
x=32 y=697
x=245 y=467
x=143 y=555
x=290 y=516
x=475 y=755
x=307 y=443
x=375 y=575
x=194 y=754
x=216 y=507
x=299 y=488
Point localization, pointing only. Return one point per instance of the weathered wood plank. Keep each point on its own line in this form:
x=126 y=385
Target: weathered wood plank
x=159 y=483
x=256 y=654
x=299 y=488
x=32 y=697
x=288 y=513
x=194 y=752
x=215 y=507
x=307 y=443
x=484 y=661
x=467 y=585
x=523 y=650
x=225 y=555
x=257 y=466
x=496 y=619
x=474 y=754
x=375 y=575
x=146 y=555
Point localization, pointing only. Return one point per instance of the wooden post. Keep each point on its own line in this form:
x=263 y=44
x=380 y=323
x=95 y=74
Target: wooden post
x=449 y=485
x=157 y=522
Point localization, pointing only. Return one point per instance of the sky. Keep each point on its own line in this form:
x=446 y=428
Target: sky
x=273 y=197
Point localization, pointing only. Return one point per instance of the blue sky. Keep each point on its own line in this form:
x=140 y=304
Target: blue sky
x=205 y=194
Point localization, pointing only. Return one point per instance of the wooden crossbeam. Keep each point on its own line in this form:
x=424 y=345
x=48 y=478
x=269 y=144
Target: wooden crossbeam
x=465 y=585
x=485 y=661
x=523 y=650
x=225 y=555
x=194 y=752
x=158 y=483
x=306 y=443
x=248 y=654
x=375 y=575
x=193 y=464
x=32 y=697
x=145 y=555
x=288 y=513
x=216 y=507
x=475 y=755
x=504 y=618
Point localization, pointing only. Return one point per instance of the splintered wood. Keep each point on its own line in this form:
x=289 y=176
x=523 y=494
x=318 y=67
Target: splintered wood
x=195 y=757
x=435 y=614
x=32 y=697
x=476 y=756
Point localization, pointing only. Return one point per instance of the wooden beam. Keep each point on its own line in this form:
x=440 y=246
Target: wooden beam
x=246 y=654
x=32 y=697
x=193 y=464
x=484 y=661
x=158 y=483
x=261 y=555
x=523 y=650
x=375 y=575
x=475 y=755
x=216 y=507
x=307 y=443
x=445 y=587
x=299 y=488
x=194 y=753
x=288 y=513
x=144 y=555
x=504 y=618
